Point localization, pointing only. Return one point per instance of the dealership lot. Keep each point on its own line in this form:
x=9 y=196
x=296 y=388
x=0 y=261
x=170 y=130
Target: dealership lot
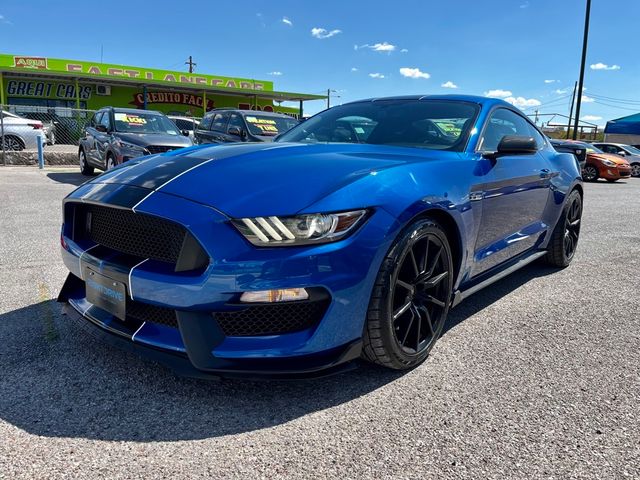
x=537 y=376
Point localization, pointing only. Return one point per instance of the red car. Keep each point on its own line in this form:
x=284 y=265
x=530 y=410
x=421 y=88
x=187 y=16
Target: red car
x=603 y=165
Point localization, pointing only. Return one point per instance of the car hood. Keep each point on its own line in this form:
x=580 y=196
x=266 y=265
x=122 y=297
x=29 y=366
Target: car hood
x=255 y=179
x=146 y=139
x=617 y=159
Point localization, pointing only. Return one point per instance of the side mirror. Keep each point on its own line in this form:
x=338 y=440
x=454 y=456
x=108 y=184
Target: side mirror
x=101 y=128
x=185 y=132
x=516 y=145
x=237 y=131
x=622 y=152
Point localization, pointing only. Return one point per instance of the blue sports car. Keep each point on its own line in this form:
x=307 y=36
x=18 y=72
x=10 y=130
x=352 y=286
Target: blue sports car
x=349 y=237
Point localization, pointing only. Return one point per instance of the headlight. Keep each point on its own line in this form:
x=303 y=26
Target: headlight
x=300 y=229
x=129 y=146
x=608 y=163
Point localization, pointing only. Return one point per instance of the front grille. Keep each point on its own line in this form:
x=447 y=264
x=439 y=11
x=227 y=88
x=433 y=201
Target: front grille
x=143 y=236
x=144 y=312
x=275 y=319
x=160 y=148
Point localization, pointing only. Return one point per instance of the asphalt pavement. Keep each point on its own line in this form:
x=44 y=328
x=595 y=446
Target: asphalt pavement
x=538 y=376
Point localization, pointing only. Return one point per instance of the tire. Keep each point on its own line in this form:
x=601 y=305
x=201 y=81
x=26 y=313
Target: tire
x=415 y=277
x=13 y=143
x=590 y=173
x=85 y=168
x=52 y=139
x=564 y=240
x=635 y=169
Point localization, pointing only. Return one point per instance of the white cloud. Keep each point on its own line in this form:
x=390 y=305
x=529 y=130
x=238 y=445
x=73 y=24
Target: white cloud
x=413 y=73
x=404 y=50
x=354 y=69
x=275 y=73
x=562 y=91
x=449 y=84
x=604 y=66
x=286 y=21
x=525 y=4
x=498 y=93
x=322 y=33
x=586 y=99
x=377 y=47
x=376 y=75
x=550 y=81
x=522 y=102
x=591 y=118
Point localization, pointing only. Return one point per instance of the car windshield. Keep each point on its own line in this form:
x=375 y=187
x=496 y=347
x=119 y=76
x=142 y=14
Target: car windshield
x=141 y=122
x=591 y=148
x=269 y=125
x=431 y=124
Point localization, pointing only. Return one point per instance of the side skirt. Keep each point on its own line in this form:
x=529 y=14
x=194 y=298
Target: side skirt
x=460 y=295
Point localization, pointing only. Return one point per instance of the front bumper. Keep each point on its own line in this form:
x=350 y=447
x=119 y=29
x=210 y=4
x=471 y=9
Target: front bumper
x=346 y=270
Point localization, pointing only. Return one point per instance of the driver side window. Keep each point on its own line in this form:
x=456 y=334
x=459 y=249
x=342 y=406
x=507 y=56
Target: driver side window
x=501 y=123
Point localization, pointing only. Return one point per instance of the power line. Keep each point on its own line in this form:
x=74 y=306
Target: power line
x=615 y=100
x=191 y=64
x=617 y=106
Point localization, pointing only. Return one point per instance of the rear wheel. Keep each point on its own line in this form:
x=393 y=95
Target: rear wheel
x=611 y=180
x=635 y=169
x=564 y=239
x=590 y=173
x=13 y=143
x=411 y=297
x=85 y=168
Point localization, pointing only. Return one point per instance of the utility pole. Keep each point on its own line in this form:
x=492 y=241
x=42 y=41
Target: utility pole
x=191 y=64
x=582 y=65
x=329 y=92
x=573 y=99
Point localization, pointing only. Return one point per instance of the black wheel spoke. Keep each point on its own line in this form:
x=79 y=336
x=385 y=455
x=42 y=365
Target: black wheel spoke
x=425 y=258
x=428 y=318
x=406 y=334
x=398 y=313
x=406 y=286
x=435 y=280
x=413 y=262
x=418 y=329
x=434 y=262
x=435 y=301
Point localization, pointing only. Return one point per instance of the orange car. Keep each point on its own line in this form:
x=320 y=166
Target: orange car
x=603 y=165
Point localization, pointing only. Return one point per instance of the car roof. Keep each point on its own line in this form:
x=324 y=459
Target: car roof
x=248 y=112
x=181 y=117
x=460 y=98
x=132 y=110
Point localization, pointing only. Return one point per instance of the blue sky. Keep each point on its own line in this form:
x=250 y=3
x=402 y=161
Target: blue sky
x=525 y=50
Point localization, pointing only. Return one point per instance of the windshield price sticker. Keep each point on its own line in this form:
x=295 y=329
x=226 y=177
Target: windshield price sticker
x=264 y=124
x=130 y=119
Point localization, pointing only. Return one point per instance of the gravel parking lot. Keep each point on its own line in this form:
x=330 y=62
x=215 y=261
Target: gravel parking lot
x=536 y=377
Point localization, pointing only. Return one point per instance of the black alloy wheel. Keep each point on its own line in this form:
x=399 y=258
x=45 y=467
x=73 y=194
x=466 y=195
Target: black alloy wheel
x=635 y=170
x=564 y=240
x=411 y=298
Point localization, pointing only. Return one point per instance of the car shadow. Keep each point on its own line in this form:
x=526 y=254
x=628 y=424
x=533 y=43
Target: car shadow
x=71 y=178
x=57 y=381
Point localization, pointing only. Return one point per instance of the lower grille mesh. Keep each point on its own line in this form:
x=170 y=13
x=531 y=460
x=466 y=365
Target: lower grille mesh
x=273 y=319
x=144 y=312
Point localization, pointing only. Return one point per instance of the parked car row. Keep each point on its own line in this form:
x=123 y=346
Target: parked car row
x=609 y=161
x=116 y=135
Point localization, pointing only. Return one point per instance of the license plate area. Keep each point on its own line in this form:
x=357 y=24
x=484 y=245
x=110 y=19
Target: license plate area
x=106 y=293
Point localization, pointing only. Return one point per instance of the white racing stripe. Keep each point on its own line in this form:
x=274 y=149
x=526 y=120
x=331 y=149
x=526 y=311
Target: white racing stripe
x=169 y=181
x=136 y=332
x=80 y=258
x=130 y=272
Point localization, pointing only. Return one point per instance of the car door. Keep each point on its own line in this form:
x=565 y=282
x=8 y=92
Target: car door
x=89 y=142
x=516 y=195
x=103 y=137
x=236 y=129
x=202 y=133
x=219 y=128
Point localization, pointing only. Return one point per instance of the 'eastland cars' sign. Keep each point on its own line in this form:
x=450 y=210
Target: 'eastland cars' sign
x=102 y=69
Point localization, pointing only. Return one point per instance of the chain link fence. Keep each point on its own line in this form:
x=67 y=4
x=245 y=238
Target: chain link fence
x=60 y=129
